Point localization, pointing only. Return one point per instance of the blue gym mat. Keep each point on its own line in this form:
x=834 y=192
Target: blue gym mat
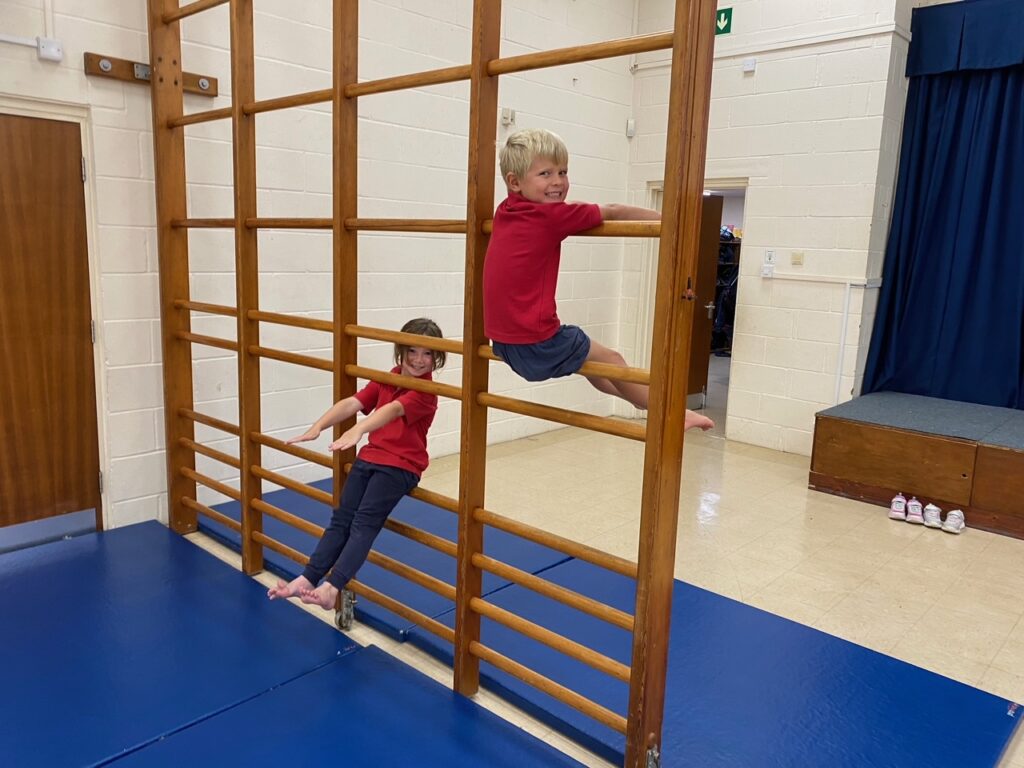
x=746 y=688
x=365 y=710
x=48 y=529
x=510 y=549
x=112 y=640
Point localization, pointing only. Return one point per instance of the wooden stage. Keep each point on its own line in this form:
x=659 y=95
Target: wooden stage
x=955 y=455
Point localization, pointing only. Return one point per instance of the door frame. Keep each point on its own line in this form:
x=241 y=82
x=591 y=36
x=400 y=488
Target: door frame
x=20 y=106
x=649 y=275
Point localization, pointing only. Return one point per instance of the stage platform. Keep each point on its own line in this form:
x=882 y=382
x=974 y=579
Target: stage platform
x=136 y=647
x=956 y=455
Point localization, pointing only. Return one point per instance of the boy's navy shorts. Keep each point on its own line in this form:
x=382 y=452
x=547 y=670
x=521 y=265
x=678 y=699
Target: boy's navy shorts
x=561 y=355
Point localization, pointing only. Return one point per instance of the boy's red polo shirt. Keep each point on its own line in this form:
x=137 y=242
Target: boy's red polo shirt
x=521 y=267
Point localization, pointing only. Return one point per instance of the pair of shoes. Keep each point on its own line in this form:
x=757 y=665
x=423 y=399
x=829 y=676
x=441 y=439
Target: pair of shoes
x=954 y=522
x=901 y=509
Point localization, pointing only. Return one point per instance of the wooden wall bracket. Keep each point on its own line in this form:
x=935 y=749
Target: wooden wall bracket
x=137 y=72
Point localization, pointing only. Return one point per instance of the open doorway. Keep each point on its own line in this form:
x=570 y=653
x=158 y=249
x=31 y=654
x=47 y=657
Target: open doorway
x=717 y=280
x=726 y=286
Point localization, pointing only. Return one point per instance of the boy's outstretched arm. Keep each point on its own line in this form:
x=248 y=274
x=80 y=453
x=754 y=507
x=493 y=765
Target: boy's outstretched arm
x=337 y=413
x=620 y=212
x=383 y=415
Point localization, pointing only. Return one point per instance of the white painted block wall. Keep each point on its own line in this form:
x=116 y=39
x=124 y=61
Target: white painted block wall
x=412 y=150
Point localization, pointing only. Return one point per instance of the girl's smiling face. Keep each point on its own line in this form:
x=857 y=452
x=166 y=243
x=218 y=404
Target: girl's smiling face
x=417 y=361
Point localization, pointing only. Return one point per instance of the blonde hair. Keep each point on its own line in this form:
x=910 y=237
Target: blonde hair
x=523 y=147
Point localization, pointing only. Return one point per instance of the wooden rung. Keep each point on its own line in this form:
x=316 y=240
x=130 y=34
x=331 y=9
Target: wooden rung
x=308 y=323
x=261 y=222
x=208 y=341
x=287 y=102
x=210 y=309
x=210 y=483
x=443 y=226
x=136 y=72
x=414 y=80
x=409 y=573
x=187 y=10
x=281 y=549
x=550 y=687
x=422 y=537
x=605 y=370
x=417 y=618
x=563 y=416
x=286 y=482
x=213 y=514
x=212 y=453
x=287 y=518
x=294 y=450
x=209 y=421
x=291 y=357
x=409 y=339
x=203 y=223
x=556 y=542
x=578 y=53
x=437 y=499
x=547 y=588
x=552 y=640
x=200 y=117
x=405 y=382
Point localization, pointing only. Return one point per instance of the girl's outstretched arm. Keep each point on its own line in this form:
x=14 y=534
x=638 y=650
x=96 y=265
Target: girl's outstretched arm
x=383 y=415
x=337 y=413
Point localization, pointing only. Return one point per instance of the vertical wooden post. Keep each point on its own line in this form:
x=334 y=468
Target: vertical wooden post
x=346 y=199
x=243 y=134
x=172 y=244
x=483 y=123
x=670 y=352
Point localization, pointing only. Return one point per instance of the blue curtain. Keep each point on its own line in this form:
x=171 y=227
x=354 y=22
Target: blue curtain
x=950 y=320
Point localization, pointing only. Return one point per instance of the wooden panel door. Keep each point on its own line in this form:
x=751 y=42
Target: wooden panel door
x=49 y=450
x=703 y=311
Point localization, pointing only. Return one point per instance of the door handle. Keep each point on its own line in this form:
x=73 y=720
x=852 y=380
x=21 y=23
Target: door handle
x=710 y=307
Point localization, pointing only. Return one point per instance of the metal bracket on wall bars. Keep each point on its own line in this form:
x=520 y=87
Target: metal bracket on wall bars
x=136 y=72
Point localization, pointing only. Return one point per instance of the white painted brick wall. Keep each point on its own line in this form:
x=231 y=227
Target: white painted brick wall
x=815 y=131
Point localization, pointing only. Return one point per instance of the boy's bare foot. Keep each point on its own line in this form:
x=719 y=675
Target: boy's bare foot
x=325 y=596
x=697 y=420
x=291 y=589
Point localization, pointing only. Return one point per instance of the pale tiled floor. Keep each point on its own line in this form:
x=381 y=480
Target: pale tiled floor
x=751 y=530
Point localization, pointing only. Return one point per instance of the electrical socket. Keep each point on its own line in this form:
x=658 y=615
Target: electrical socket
x=767 y=270
x=769 y=257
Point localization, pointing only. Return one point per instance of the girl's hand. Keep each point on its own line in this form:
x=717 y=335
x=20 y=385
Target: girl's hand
x=310 y=434
x=348 y=440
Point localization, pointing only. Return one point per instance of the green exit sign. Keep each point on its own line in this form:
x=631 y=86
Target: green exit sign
x=723 y=21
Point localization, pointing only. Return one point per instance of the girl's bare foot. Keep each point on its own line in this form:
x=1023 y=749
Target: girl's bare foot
x=697 y=420
x=292 y=589
x=325 y=596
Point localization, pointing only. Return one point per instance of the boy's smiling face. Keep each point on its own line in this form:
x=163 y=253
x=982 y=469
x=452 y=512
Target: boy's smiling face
x=545 y=182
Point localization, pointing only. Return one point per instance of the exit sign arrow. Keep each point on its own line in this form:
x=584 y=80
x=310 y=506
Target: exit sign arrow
x=723 y=21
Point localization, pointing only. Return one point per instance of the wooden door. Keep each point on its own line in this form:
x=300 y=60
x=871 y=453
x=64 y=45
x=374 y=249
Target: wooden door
x=703 y=311
x=49 y=449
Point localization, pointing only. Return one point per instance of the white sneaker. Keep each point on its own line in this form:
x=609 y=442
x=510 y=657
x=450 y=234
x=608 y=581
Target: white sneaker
x=932 y=516
x=914 y=511
x=898 y=508
x=954 y=521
